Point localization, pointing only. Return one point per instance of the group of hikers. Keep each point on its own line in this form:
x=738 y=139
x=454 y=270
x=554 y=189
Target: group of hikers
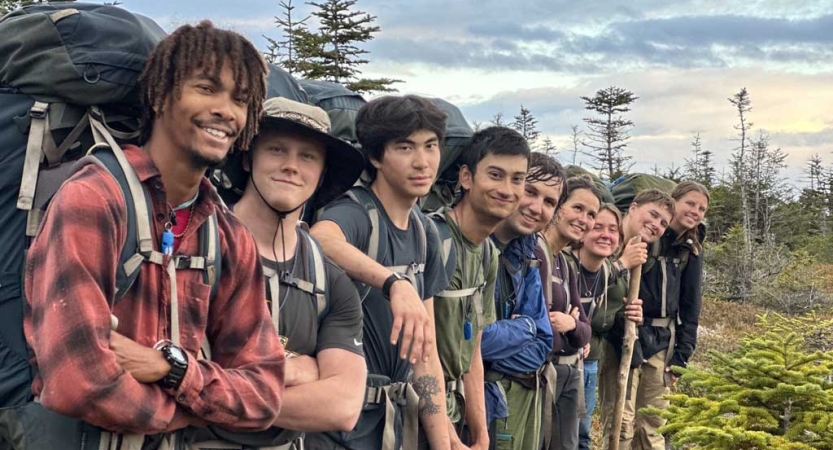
x=490 y=323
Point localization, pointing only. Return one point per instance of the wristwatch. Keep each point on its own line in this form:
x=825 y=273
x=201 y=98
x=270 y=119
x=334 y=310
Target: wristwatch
x=393 y=278
x=179 y=365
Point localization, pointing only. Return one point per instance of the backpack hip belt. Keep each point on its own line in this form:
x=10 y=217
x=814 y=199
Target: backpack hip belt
x=404 y=395
x=671 y=324
x=568 y=360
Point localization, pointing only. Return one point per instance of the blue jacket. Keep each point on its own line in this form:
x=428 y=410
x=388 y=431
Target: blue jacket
x=522 y=344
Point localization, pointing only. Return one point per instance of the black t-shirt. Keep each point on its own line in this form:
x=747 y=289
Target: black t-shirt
x=402 y=248
x=340 y=324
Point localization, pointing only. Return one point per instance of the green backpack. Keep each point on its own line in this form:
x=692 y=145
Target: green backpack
x=604 y=190
x=341 y=104
x=626 y=188
x=458 y=134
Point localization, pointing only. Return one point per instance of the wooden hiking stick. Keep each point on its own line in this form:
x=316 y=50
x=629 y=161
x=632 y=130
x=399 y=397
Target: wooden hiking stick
x=625 y=362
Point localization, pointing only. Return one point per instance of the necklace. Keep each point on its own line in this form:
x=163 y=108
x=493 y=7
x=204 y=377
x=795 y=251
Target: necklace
x=589 y=287
x=187 y=224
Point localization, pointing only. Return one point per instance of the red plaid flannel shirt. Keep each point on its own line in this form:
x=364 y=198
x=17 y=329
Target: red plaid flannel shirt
x=70 y=283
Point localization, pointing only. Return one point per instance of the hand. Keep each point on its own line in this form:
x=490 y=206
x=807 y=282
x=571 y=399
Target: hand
x=671 y=376
x=635 y=253
x=453 y=439
x=561 y=322
x=586 y=351
x=301 y=370
x=633 y=310
x=575 y=313
x=480 y=445
x=145 y=364
x=411 y=318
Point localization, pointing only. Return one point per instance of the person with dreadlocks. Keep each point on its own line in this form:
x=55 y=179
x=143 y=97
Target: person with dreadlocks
x=294 y=162
x=516 y=346
x=203 y=90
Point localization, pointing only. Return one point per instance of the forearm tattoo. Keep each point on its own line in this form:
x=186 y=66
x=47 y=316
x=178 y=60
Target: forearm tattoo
x=427 y=387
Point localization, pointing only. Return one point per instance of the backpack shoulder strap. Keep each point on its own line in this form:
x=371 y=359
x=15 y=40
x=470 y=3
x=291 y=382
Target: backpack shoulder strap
x=360 y=195
x=416 y=216
x=318 y=274
x=209 y=235
x=547 y=278
x=138 y=215
x=445 y=234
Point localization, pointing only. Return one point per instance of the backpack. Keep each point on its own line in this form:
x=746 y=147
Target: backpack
x=64 y=88
x=315 y=286
x=625 y=188
x=341 y=104
x=604 y=190
x=280 y=83
x=376 y=249
x=445 y=190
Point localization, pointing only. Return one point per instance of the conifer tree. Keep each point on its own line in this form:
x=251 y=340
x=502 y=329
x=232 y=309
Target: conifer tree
x=774 y=392
x=285 y=51
x=525 y=123
x=608 y=133
x=700 y=167
x=341 y=29
x=548 y=147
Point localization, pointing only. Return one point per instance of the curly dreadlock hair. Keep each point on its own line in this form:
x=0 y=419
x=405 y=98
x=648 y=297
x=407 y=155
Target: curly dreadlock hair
x=202 y=47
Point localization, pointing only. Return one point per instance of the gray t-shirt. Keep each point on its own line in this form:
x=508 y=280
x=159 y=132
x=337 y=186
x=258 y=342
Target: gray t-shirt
x=402 y=249
x=340 y=325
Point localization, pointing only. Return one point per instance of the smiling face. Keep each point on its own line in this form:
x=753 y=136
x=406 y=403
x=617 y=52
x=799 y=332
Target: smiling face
x=690 y=210
x=648 y=220
x=409 y=166
x=603 y=239
x=495 y=189
x=536 y=208
x=286 y=167
x=203 y=122
x=577 y=215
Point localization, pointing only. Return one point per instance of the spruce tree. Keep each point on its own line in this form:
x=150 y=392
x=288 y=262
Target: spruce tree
x=525 y=123
x=548 y=147
x=285 y=51
x=341 y=30
x=608 y=133
x=774 y=392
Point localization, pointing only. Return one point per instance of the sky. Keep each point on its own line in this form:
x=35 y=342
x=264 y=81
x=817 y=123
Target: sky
x=682 y=58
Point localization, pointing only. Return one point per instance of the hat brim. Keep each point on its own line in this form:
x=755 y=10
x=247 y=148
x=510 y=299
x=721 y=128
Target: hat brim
x=343 y=163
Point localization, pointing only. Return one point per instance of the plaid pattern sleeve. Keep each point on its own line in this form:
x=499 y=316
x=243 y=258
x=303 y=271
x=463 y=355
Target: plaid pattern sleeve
x=70 y=284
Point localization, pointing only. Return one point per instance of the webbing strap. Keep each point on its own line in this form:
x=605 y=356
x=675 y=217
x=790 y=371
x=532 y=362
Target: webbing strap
x=404 y=395
x=175 y=337
x=39 y=116
x=551 y=377
x=102 y=135
x=211 y=250
x=664 y=295
x=275 y=293
x=320 y=287
x=540 y=242
x=459 y=292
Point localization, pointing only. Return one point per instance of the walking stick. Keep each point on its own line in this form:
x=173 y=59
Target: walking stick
x=625 y=362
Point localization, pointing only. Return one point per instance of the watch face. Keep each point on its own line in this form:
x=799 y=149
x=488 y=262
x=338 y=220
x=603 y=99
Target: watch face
x=177 y=354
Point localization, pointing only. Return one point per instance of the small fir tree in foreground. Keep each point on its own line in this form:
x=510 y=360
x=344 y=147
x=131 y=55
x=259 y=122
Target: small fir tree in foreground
x=775 y=392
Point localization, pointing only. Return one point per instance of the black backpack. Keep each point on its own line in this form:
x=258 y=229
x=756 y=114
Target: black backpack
x=341 y=104
x=68 y=81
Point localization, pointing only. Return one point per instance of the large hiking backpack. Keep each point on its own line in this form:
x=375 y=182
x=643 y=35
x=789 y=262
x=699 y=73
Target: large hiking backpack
x=626 y=188
x=601 y=186
x=445 y=190
x=341 y=104
x=280 y=83
x=59 y=60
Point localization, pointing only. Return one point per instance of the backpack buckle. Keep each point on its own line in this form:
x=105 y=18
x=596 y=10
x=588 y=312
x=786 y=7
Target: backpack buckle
x=37 y=111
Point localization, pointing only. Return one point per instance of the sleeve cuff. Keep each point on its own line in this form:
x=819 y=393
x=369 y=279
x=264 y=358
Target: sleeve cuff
x=189 y=389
